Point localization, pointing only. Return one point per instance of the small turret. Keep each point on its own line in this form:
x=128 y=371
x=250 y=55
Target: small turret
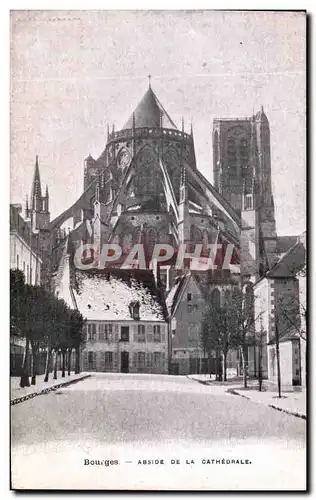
x=46 y=199
x=36 y=188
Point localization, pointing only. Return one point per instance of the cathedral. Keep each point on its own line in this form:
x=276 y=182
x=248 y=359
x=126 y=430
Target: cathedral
x=146 y=187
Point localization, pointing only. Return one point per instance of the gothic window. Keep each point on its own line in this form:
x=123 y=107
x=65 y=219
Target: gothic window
x=127 y=242
x=148 y=177
x=231 y=151
x=227 y=296
x=172 y=159
x=136 y=235
x=196 y=235
x=151 y=239
x=216 y=299
x=243 y=150
x=163 y=237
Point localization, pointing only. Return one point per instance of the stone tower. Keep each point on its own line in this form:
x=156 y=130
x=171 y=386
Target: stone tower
x=38 y=217
x=242 y=167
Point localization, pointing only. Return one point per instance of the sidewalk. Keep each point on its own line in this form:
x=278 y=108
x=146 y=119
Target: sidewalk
x=18 y=393
x=293 y=402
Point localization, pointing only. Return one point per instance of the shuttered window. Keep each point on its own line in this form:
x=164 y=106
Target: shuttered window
x=157 y=333
x=149 y=359
x=92 y=332
x=108 y=360
x=141 y=333
x=105 y=332
x=157 y=359
x=141 y=360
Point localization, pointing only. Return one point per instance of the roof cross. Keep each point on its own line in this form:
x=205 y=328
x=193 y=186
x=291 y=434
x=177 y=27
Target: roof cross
x=149 y=80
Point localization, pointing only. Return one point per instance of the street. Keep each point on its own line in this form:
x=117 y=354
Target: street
x=102 y=433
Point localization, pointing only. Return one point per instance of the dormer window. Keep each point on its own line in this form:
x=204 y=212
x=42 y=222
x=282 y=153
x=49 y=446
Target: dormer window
x=134 y=310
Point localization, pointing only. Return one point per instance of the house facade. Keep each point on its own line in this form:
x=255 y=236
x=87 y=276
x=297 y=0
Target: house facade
x=126 y=347
x=186 y=306
x=280 y=308
x=23 y=254
x=126 y=327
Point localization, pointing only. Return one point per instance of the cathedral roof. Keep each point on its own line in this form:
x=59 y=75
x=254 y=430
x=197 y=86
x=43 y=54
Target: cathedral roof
x=149 y=112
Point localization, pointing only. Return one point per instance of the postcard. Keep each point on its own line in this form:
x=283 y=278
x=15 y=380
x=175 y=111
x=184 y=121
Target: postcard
x=158 y=334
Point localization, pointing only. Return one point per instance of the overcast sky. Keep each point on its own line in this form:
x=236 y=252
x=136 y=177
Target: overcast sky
x=74 y=72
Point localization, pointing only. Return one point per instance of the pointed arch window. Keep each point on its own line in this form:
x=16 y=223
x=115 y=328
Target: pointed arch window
x=127 y=242
x=136 y=235
x=196 y=235
x=243 y=150
x=215 y=299
x=151 y=240
x=231 y=150
x=148 y=176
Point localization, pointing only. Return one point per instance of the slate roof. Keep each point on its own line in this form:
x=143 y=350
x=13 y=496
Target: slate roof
x=148 y=113
x=106 y=294
x=291 y=334
x=290 y=263
x=284 y=243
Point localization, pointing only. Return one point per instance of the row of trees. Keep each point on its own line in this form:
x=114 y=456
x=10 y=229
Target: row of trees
x=46 y=323
x=230 y=324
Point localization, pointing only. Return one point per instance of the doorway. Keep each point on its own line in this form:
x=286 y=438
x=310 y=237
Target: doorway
x=124 y=362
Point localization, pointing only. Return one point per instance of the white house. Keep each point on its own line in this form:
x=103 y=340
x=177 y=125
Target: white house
x=127 y=327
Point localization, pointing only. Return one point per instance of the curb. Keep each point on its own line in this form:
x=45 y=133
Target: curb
x=295 y=414
x=236 y=393
x=46 y=391
x=284 y=410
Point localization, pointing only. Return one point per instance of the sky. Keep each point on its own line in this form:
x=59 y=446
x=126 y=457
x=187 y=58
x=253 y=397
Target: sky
x=74 y=72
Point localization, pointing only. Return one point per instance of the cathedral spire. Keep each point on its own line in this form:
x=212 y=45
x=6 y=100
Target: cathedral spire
x=36 y=187
x=182 y=124
x=108 y=132
x=149 y=81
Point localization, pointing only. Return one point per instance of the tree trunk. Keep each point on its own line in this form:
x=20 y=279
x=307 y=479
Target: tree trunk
x=277 y=348
x=34 y=361
x=63 y=363
x=219 y=371
x=260 y=367
x=69 y=361
x=47 y=366
x=24 y=381
x=225 y=366
x=77 y=363
x=55 y=363
x=244 y=365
